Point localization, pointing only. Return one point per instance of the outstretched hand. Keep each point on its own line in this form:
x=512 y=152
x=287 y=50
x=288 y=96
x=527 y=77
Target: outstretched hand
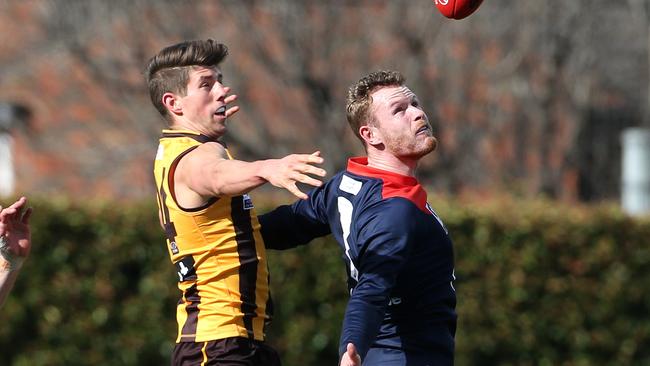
x=296 y=168
x=228 y=100
x=351 y=357
x=14 y=228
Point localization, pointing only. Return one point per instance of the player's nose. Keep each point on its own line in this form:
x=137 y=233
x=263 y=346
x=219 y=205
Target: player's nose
x=220 y=91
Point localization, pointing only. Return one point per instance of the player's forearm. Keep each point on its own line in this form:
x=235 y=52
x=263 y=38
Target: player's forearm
x=234 y=177
x=361 y=324
x=7 y=279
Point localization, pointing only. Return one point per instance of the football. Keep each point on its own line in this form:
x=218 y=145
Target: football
x=457 y=9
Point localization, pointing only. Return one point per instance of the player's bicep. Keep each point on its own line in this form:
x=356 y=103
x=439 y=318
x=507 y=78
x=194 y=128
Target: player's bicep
x=195 y=171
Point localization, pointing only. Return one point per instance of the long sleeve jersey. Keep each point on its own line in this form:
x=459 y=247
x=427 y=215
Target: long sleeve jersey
x=398 y=255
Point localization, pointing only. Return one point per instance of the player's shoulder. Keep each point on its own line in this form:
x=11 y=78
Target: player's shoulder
x=388 y=214
x=357 y=187
x=207 y=151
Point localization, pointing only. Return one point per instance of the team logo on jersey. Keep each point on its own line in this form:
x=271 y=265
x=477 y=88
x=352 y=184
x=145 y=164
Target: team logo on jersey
x=350 y=185
x=437 y=218
x=248 y=202
x=173 y=247
x=185 y=269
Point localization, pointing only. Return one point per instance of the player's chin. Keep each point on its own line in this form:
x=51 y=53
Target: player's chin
x=219 y=125
x=428 y=146
x=434 y=143
x=219 y=120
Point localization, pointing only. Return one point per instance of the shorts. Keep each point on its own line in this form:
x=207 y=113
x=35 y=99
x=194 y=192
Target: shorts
x=225 y=352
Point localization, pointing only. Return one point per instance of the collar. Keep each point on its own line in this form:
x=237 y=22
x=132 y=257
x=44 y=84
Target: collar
x=191 y=134
x=359 y=165
x=394 y=184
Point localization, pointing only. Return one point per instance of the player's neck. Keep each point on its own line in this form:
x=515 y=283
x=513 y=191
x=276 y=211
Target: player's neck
x=393 y=164
x=182 y=124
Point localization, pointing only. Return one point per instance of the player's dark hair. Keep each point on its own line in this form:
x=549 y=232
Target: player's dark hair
x=168 y=71
x=359 y=99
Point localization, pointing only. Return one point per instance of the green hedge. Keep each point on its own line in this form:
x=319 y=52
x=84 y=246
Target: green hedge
x=538 y=284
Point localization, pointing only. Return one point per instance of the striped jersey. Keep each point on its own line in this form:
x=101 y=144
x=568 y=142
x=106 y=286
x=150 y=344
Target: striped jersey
x=218 y=253
x=399 y=260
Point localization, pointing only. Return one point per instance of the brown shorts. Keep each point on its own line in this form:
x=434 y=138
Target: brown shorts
x=225 y=352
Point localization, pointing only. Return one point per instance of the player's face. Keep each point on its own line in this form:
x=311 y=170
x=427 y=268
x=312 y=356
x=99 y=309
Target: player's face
x=402 y=125
x=204 y=104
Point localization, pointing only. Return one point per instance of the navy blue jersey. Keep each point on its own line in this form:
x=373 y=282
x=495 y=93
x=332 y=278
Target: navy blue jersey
x=399 y=260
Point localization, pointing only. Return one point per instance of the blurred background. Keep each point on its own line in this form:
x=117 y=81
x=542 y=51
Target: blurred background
x=528 y=97
x=529 y=100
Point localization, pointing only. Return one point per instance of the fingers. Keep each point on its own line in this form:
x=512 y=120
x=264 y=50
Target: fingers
x=13 y=208
x=351 y=350
x=309 y=169
x=302 y=174
x=352 y=353
x=302 y=170
x=232 y=110
x=19 y=204
x=313 y=158
x=27 y=215
x=231 y=98
x=14 y=213
x=351 y=357
x=11 y=212
x=290 y=185
x=303 y=163
x=306 y=161
x=305 y=179
x=296 y=168
x=296 y=192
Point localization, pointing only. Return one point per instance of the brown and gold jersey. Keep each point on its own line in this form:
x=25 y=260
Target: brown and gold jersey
x=218 y=253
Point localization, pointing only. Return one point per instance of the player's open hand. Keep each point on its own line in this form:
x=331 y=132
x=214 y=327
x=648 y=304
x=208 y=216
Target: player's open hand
x=351 y=357
x=292 y=169
x=14 y=227
x=228 y=100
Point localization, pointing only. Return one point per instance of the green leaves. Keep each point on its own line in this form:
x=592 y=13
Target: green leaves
x=538 y=284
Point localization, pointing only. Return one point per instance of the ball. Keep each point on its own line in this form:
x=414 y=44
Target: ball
x=457 y=9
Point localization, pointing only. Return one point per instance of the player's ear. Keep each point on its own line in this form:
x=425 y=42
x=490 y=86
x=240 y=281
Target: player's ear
x=370 y=135
x=172 y=103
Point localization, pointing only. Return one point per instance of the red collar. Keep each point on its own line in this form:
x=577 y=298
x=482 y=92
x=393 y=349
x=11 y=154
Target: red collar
x=395 y=185
x=359 y=165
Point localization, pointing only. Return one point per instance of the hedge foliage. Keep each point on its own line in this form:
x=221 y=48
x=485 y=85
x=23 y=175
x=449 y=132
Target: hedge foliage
x=537 y=284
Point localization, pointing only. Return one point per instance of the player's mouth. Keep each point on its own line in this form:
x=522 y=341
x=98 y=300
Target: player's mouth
x=423 y=130
x=221 y=111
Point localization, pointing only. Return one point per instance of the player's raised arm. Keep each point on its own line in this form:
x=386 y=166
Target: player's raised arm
x=208 y=172
x=15 y=243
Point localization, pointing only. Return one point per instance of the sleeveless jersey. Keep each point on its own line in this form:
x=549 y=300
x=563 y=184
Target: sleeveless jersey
x=218 y=253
